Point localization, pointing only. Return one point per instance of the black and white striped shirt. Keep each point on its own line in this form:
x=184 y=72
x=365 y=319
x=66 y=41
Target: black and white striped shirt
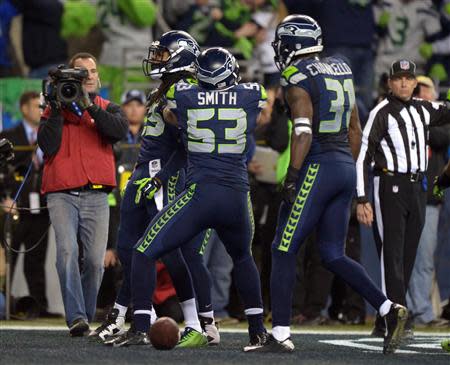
x=396 y=138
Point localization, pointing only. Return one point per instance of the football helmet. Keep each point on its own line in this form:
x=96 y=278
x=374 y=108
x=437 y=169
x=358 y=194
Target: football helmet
x=175 y=51
x=296 y=35
x=217 y=69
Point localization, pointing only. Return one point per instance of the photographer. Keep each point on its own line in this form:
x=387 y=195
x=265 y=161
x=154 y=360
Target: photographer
x=30 y=229
x=79 y=171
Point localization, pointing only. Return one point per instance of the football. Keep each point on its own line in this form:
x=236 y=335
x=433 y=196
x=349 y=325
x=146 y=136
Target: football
x=164 y=334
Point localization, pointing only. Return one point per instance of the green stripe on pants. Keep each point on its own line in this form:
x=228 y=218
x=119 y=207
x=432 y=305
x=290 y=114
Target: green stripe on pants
x=166 y=217
x=297 y=207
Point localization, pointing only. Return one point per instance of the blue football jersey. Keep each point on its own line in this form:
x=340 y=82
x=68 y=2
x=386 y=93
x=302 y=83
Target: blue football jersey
x=216 y=128
x=159 y=140
x=329 y=83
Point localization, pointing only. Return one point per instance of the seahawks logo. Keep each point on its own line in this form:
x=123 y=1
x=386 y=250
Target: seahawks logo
x=189 y=45
x=293 y=29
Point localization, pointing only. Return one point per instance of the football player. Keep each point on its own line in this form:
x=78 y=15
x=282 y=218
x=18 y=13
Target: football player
x=216 y=119
x=158 y=177
x=321 y=177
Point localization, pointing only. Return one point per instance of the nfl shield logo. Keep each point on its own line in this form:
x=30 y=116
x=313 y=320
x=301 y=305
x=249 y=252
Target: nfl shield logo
x=404 y=65
x=395 y=189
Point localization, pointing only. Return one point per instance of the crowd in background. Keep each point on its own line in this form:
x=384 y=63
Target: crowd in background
x=37 y=35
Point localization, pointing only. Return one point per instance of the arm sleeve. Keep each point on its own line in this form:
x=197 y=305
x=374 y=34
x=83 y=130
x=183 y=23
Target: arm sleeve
x=373 y=133
x=111 y=122
x=50 y=132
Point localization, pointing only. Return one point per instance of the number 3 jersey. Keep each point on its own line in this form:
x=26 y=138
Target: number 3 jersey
x=216 y=128
x=159 y=140
x=329 y=83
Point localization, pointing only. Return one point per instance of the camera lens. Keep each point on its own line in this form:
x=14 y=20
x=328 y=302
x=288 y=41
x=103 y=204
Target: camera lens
x=68 y=90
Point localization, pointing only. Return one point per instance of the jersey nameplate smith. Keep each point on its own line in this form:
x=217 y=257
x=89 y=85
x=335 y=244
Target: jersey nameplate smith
x=214 y=97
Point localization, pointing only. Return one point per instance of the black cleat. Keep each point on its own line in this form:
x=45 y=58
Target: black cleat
x=380 y=327
x=270 y=344
x=130 y=338
x=79 y=328
x=113 y=325
x=256 y=341
x=395 y=328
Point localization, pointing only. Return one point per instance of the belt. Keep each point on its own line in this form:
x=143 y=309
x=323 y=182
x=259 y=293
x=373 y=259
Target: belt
x=88 y=187
x=412 y=177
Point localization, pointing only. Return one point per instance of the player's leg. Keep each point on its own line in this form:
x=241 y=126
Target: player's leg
x=182 y=281
x=193 y=255
x=295 y=223
x=134 y=218
x=235 y=229
x=332 y=233
x=176 y=224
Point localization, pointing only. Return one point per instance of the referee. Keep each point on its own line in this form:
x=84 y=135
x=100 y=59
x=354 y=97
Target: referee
x=396 y=139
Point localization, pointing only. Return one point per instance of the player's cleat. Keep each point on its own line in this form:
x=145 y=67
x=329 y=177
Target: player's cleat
x=114 y=325
x=395 y=328
x=445 y=344
x=192 y=338
x=271 y=344
x=79 y=328
x=131 y=338
x=211 y=330
x=380 y=327
x=257 y=341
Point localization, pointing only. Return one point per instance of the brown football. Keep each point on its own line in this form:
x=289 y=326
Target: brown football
x=164 y=334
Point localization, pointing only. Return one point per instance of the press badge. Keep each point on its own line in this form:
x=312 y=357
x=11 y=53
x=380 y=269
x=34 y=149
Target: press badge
x=154 y=166
x=35 y=204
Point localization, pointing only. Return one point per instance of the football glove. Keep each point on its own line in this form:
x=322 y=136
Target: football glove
x=289 y=191
x=147 y=187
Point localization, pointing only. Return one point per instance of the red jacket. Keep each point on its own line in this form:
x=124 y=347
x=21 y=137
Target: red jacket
x=84 y=156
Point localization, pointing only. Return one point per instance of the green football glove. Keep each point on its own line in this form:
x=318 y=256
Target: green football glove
x=147 y=187
x=438 y=192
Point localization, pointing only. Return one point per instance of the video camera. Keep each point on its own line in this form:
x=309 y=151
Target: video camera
x=6 y=152
x=64 y=84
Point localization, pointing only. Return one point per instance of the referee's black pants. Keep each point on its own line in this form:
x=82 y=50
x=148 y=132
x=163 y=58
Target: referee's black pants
x=399 y=210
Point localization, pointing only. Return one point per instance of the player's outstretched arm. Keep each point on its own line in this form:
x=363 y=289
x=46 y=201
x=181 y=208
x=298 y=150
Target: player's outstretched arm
x=355 y=133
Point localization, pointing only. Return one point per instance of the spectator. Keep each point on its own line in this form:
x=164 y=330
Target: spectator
x=406 y=24
x=78 y=173
x=126 y=25
x=32 y=225
x=43 y=47
x=420 y=285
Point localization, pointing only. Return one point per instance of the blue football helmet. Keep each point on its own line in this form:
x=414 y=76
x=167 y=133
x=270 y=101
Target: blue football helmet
x=296 y=35
x=175 y=51
x=217 y=69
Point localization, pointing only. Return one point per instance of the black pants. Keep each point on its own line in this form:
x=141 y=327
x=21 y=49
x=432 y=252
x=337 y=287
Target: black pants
x=28 y=230
x=399 y=209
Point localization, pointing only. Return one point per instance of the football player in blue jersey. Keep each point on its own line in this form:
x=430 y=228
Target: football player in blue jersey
x=321 y=177
x=155 y=182
x=216 y=118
